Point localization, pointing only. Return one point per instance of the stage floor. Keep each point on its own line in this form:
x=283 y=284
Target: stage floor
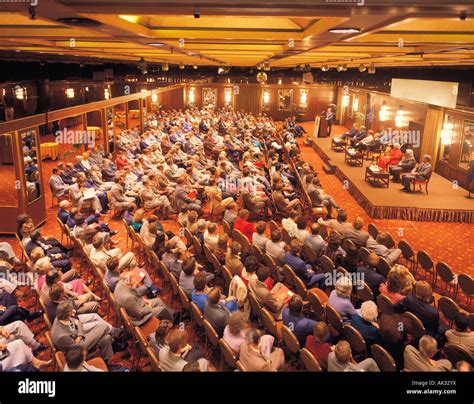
x=444 y=202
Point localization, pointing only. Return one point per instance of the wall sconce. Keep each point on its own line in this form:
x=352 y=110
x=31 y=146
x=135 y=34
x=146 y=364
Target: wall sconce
x=20 y=93
x=280 y=81
x=383 y=113
x=192 y=95
x=69 y=92
x=266 y=97
x=355 y=104
x=228 y=96
x=447 y=132
x=143 y=90
x=106 y=93
x=345 y=100
x=400 y=119
x=303 y=98
x=154 y=98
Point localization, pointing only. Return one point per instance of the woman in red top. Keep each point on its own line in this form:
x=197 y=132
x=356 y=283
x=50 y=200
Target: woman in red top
x=318 y=345
x=120 y=161
x=391 y=158
x=245 y=227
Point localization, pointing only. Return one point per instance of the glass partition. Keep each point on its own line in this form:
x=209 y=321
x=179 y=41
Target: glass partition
x=109 y=116
x=29 y=144
x=133 y=116
x=285 y=99
x=9 y=184
x=467 y=144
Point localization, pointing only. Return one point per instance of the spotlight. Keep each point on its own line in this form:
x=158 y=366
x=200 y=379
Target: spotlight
x=362 y=68
x=181 y=66
x=266 y=66
x=324 y=68
x=371 y=69
x=197 y=14
x=195 y=67
x=339 y=68
x=344 y=68
x=223 y=70
x=165 y=67
x=463 y=15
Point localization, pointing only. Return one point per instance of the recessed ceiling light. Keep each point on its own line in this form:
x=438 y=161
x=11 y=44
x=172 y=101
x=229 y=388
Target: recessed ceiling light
x=344 y=30
x=156 y=44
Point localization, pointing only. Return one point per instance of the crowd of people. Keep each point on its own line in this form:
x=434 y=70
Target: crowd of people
x=207 y=169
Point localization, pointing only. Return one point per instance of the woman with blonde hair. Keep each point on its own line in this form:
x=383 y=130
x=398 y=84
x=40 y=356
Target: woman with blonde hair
x=137 y=222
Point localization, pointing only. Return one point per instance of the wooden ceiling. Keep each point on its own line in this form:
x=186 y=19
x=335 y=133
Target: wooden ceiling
x=246 y=32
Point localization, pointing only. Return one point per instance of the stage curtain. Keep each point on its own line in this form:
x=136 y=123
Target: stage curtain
x=249 y=99
x=431 y=133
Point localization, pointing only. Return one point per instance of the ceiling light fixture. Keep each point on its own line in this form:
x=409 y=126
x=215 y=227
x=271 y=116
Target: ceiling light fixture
x=344 y=30
x=371 y=69
x=362 y=68
x=324 y=68
x=157 y=44
x=165 y=67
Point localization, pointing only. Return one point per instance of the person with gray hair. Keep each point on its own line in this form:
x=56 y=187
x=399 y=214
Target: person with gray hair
x=406 y=164
x=366 y=323
x=420 y=360
x=340 y=297
x=422 y=172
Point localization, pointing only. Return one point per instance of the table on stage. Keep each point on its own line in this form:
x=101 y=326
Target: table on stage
x=380 y=178
x=353 y=157
x=50 y=149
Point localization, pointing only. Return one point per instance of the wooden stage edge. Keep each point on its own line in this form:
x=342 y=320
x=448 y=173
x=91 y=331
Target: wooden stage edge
x=378 y=210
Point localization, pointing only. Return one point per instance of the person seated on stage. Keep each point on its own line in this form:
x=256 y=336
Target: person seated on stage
x=461 y=335
x=356 y=234
x=340 y=299
x=380 y=247
x=340 y=360
x=420 y=360
x=406 y=165
x=303 y=270
x=359 y=136
x=87 y=331
x=282 y=203
x=391 y=158
x=320 y=197
x=354 y=131
x=370 y=144
x=363 y=143
x=422 y=172
x=420 y=304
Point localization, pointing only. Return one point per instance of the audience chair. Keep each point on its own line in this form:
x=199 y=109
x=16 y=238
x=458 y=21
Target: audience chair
x=326 y=264
x=384 y=267
x=289 y=275
x=227 y=354
x=466 y=285
x=309 y=361
x=384 y=360
x=447 y=275
x=449 y=308
x=373 y=230
x=300 y=288
x=408 y=254
x=364 y=255
x=385 y=305
x=426 y=262
x=155 y=366
x=254 y=306
x=240 y=366
x=363 y=292
x=415 y=327
x=356 y=341
x=334 y=319
x=211 y=336
x=291 y=342
x=272 y=326
x=317 y=301
x=456 y=353
x=257 y=253
x=273 y=226
x=227 y=227
x=197 y=317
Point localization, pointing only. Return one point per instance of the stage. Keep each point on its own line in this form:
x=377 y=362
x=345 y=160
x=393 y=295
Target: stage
x=444 y=203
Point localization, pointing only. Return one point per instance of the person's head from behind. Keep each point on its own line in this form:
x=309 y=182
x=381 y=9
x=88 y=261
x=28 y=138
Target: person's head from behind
x=214 y=295
x=235 y=248
x=112 y=264
x=369 y=311
x=251 y=264
x=296 y=246
x=344 y=287
x=192 y=216
x=64 y=311
x=263 y=273
x=301 y=223
x=236 y=323
x=200 y=282
x=56 y=294
x=428 y=346
x=75 y=356
x=254 y=336
x=383 y=238
x=461 y=320
x=176 y=341
x=295 y=305
x=192 y=366
x=334 y=241
x=52 y=277
x=341 y=216
x=463 y=366
x=374 y=260
x=320 y=332
x=244 y=214
x=423 y=291
x=261 y=227
x=276 y=236
x=98 y=242
x=222 y=241
x=212 y=228
x=358 y=223
x=343 y=352
x=162 y=331
x=315 y=227
x=394 y=281
x=189 y=265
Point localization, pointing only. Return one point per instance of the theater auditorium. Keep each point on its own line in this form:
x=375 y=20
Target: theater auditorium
x=236 y=186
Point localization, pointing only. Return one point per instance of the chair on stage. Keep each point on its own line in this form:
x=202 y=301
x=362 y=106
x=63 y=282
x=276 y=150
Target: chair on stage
x=421 y=182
